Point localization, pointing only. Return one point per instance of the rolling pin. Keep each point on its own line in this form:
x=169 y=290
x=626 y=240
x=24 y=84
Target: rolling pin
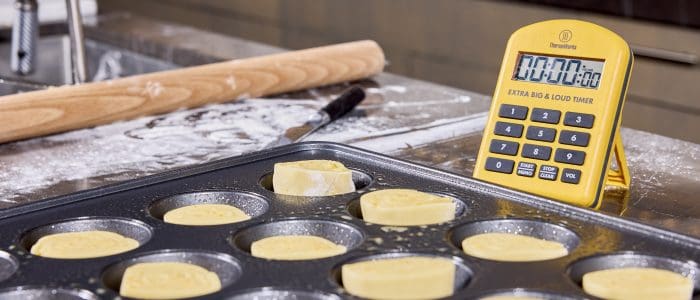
x=71 y=107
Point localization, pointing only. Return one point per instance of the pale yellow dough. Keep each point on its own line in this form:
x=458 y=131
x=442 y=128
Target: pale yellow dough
x=512 y=247
x=168 y=280
x=295 y=247
x=406 y=207
x=205 y=214
x=638 y=284
x=82 y=244
x=412 y=277
x=312 y=178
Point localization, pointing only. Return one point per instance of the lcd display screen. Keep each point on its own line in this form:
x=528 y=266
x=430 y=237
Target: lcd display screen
x=558 y=70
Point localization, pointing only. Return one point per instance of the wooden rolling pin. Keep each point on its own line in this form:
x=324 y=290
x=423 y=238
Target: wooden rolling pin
x=72 y=107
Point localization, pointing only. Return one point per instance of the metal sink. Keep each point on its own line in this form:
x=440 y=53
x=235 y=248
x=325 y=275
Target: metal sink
x=53 y=64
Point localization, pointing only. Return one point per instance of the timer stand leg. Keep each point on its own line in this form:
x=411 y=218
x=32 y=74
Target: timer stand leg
x=619 y=177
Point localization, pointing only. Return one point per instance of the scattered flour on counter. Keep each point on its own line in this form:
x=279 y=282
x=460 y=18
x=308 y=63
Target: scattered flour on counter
x=150 y=144
x=367 y=135
x=461 y=99
x=124 y=150
x=393 y=228
x=440 y=130
x=659 y=161
x=387 y=88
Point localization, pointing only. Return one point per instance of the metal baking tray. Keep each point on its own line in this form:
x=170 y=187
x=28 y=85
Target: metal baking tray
x=135 y=208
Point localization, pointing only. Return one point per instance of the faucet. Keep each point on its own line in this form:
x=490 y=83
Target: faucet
x=25 y=32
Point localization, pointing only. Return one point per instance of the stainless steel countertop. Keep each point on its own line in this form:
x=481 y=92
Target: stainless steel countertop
x=411 y=119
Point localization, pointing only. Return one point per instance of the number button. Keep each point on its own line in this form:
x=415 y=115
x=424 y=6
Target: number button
x=540 y=134
x=499 y=165
x=574 y=138
x=513 y=112
x=548 y=172
x=545 y=115
x=571 y=176
x=526 y=169
x=536 y=152
x=509 y=129
x=504 y=147
x=569 y=156
x=578 y=120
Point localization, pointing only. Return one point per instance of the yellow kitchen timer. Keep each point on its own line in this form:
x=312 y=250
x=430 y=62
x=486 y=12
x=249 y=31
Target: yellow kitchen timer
x=554 y=122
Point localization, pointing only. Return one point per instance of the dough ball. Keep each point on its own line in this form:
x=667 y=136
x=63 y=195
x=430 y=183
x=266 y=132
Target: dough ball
x=406 y=207
x=312 y=178
x=168 y=280
x=82 y=244
x=638 y=284
x=512 y=247
x=295 y=247
x=205 y=214
x=414 y=277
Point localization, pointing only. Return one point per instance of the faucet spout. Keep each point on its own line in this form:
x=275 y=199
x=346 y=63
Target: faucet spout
x=25 y=32
x=77 y=41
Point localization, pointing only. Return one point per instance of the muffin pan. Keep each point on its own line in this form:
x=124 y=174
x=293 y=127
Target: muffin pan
x=596 y=241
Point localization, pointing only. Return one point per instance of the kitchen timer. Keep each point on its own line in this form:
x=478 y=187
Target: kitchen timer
x=554 y=123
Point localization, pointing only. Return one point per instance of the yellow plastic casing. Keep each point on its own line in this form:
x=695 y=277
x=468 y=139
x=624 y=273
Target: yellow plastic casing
x=567 y=38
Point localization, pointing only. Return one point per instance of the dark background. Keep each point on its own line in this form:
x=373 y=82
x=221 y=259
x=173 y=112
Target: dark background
x=677 y=12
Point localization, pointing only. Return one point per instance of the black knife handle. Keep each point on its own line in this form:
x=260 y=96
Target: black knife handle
x=344 y=103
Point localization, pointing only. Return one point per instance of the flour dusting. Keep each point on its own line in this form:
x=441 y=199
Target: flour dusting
x=149 y=144
x=656 y=163
x=391 y=117
x=388 y=88
x=231 y=82
x=153 y=89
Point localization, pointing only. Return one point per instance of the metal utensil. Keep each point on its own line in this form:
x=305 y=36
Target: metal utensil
x=331 y=112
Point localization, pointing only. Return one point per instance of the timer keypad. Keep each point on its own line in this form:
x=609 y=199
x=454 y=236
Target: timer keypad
x=545 y=115
x=526 y=169
x=541 y=134
x=567 y=156
x=513 y=112
x=548 y=172
x=514 y=130
x=570 y=176
x=578 y=120
x=499 y=165
x=536 y=152
x=504 y=147
x=574 y=138
x=509 y=129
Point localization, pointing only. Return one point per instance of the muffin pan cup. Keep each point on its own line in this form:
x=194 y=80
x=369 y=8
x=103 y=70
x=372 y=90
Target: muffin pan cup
x=129 y=228
x=462 y=272
x=225 y=266
x=340 y=233
x=589 y=235
x=251 y=204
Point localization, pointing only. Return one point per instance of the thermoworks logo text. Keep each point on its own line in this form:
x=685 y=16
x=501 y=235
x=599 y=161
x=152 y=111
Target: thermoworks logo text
x=564 y=36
